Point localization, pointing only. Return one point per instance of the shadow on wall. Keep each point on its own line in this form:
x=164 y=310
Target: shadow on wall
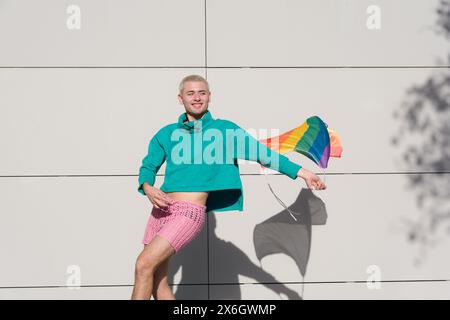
x=278 y=234
x=282 y=234
x=424 y=139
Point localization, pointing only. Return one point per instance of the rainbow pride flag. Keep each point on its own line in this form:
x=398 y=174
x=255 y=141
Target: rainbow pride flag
x=313 y=139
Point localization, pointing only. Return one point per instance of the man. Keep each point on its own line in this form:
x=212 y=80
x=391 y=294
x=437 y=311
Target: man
x=191 y=188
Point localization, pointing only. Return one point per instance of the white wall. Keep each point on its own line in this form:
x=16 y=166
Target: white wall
x=79 y=106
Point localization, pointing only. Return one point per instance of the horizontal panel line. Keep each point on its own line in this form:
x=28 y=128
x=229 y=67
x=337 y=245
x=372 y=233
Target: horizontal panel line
x=101 y=67
x=242 y=174
x=337 y=282
x=331 y=67
x=225 y=67
x=235 y=283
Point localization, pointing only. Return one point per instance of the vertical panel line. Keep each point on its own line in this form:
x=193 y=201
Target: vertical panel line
x=207 y=216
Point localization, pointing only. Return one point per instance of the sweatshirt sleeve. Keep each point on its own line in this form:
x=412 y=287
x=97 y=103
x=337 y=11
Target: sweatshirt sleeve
x=249 y=148
x=151 y=163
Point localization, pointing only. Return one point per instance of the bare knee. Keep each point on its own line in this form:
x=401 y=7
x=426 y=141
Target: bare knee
x=145 y=267
x=152 y=256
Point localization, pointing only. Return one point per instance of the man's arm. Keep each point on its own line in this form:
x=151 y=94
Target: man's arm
x=253 y=150
x=150 y=165
x=249 y=148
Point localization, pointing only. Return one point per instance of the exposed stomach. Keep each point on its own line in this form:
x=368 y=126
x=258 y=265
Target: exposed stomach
x=196 y=197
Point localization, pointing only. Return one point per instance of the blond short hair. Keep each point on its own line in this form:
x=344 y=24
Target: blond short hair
x=192 y=77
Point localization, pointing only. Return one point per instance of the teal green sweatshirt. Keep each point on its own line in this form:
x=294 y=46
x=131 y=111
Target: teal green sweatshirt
x=201 y=155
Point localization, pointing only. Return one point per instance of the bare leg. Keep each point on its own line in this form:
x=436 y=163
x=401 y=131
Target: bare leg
x=161 y=288
x=158 y=250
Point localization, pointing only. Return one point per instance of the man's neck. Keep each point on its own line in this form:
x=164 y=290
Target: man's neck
x=192 y=118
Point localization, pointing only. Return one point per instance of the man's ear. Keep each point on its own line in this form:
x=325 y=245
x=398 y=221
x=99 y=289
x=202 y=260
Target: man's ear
x=179 y=99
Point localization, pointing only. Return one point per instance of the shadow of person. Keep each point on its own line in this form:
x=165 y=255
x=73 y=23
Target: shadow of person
x=226 y=262
x=282 y=234
x=191 y=262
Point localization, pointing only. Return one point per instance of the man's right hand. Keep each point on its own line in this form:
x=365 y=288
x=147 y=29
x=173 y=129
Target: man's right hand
x=157 y=197
x=312 y=180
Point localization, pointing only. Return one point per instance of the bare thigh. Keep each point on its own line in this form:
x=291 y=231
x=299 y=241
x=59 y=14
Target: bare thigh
x=156 y=252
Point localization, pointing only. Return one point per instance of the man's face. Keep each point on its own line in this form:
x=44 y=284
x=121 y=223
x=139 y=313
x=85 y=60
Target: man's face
x=195 y=98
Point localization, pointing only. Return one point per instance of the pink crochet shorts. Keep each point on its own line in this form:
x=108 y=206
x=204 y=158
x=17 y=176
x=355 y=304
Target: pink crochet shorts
x=180 y=223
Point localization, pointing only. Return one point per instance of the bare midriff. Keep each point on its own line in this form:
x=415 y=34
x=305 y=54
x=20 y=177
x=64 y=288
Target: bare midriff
x=196 y=197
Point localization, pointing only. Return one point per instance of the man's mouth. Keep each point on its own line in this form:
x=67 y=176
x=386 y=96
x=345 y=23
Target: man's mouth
x=197 y=104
